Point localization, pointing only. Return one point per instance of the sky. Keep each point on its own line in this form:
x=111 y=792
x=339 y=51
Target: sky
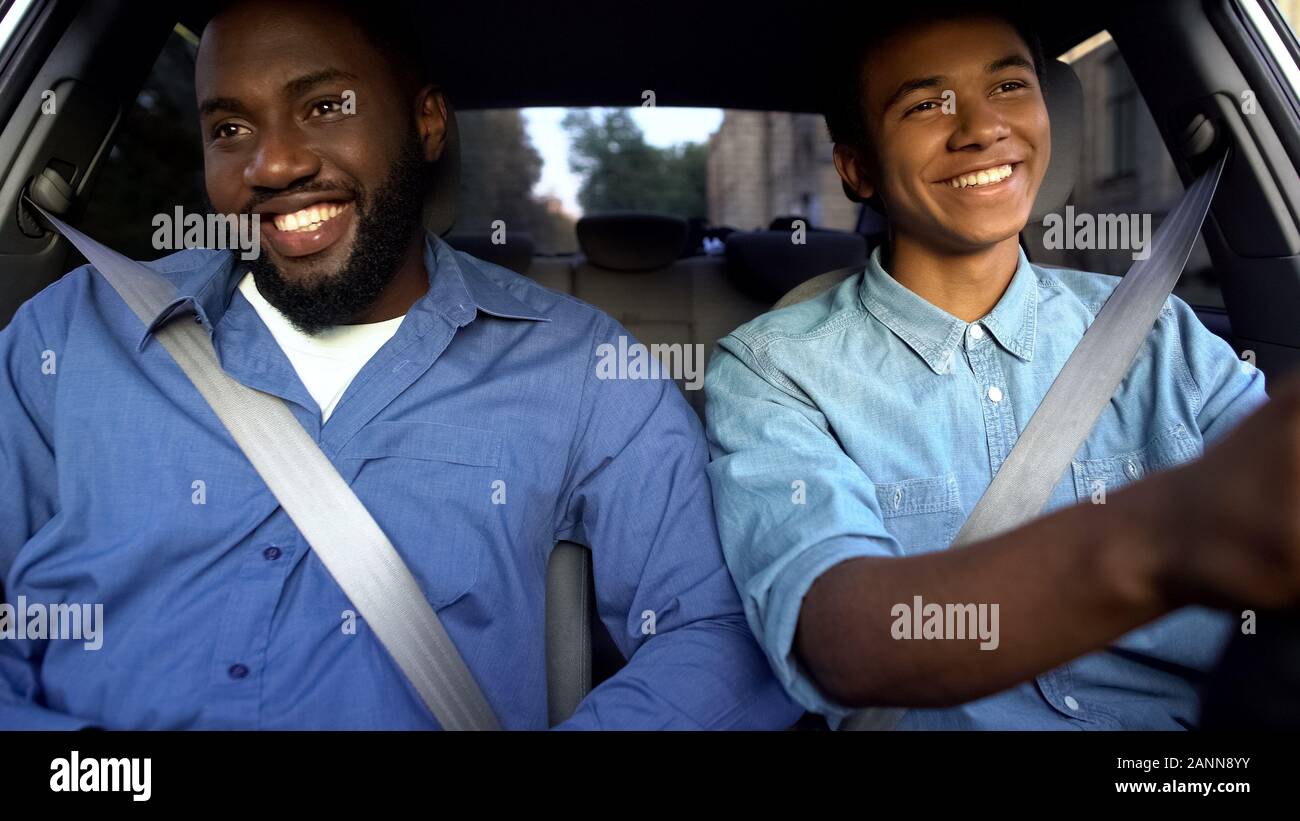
x=663 y=126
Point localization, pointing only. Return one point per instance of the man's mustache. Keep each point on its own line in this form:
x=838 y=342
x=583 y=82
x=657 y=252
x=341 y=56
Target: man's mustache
x=266 y=195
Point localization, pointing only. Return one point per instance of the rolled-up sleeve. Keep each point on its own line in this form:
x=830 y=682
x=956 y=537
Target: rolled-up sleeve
x=637 y=493
x=790 y=503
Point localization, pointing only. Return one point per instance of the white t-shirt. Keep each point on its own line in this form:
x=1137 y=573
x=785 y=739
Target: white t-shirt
x=326 y=363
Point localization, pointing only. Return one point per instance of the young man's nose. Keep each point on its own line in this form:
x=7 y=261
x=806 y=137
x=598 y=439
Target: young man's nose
x=977 y=123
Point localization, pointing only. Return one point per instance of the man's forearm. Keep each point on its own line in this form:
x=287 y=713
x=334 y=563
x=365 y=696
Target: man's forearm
x=1065 y=584
x=709 y=675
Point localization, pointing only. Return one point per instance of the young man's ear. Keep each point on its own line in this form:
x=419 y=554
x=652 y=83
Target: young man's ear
x=848 y=162
x=431 y=121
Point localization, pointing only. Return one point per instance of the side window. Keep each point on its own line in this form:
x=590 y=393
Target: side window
x=1125 y=174
x=156 y=161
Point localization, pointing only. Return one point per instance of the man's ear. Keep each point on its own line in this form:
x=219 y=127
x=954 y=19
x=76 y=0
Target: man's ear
x=853 y=177
x=431 y=121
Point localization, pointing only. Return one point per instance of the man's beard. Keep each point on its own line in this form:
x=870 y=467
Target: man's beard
x=385 y=223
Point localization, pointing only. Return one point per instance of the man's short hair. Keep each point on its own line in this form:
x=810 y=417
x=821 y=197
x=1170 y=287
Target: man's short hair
x=392 y=26
x=843 y=87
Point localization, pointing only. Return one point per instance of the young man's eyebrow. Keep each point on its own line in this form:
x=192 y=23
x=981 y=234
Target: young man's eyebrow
x=292 y=88
x=1010 y=61
x=908 y=86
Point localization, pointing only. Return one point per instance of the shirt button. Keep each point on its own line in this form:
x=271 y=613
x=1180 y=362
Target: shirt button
x=237 y=671
x=1071 y=702
x=995 y=394
x=271 y=554
x=976 y=332
x=1131 y=469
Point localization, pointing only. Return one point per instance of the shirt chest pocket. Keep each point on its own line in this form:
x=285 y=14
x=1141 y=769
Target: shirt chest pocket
x=432 y=489
x=923 y=514
x=1095 y=477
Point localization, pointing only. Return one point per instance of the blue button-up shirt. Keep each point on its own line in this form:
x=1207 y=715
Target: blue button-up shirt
x=867 y=422
x=477 y=436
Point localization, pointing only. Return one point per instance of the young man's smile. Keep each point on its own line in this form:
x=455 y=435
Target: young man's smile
x=957 y=135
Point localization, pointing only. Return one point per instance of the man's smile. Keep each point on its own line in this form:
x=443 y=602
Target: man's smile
x=307 y=230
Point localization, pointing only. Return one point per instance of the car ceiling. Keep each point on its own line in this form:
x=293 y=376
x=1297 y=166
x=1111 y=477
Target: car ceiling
x=507 y=54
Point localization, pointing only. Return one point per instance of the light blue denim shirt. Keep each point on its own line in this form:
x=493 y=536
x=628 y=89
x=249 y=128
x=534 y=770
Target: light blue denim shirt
x=868 y=422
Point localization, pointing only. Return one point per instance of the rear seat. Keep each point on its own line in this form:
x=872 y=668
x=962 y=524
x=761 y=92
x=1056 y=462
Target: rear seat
x=764 y=265
x=515 y=253
x=630 y=266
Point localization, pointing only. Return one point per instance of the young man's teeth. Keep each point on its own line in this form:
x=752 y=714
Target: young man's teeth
x=986 y=177
x=308 y=219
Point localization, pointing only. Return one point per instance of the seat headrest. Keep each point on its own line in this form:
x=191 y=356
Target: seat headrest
x=631 y=242
x=1064 y=98
x=516 y=253
x=440 y=204
x=764 y=265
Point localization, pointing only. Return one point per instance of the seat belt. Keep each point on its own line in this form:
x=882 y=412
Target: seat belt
x=1080 y=392
x=325 y=510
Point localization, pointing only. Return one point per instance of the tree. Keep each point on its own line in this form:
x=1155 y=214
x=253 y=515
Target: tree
x=622 y=172
x=499 y=168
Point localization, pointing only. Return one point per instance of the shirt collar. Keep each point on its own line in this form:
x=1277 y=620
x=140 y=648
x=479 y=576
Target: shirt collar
x=459 y=287
x=933 y=332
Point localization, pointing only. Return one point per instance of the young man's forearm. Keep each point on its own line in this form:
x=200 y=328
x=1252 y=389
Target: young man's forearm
x=1065 y=584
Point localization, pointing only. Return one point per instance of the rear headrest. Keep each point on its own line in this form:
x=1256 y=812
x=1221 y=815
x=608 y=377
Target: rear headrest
x=631 y=242
x=516 y=253
x=1064 y=98
x=763 y=265
x=440 y=204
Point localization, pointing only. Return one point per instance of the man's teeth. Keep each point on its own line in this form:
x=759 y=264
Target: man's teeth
x=986 y=177
x=308 y=219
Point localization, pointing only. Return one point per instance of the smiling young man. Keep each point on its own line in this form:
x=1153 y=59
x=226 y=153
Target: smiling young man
x=853 y=433
x=457 y=399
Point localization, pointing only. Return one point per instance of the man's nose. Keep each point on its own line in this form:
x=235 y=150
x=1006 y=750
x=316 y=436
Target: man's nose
x=978 y=124
x=282 y=157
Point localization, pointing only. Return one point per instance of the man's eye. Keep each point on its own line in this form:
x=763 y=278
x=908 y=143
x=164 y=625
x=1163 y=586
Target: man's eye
x=928 y=105
x=326 y=107
x=226 y=131
x=1012 y=85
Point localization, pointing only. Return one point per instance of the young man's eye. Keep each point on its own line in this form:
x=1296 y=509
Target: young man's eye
x=1012 y=85
x=927 y=105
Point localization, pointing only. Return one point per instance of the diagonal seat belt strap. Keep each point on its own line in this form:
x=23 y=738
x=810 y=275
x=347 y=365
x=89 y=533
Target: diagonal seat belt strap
x=348 y=541
x=1091 y=375
x=1081 y=391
